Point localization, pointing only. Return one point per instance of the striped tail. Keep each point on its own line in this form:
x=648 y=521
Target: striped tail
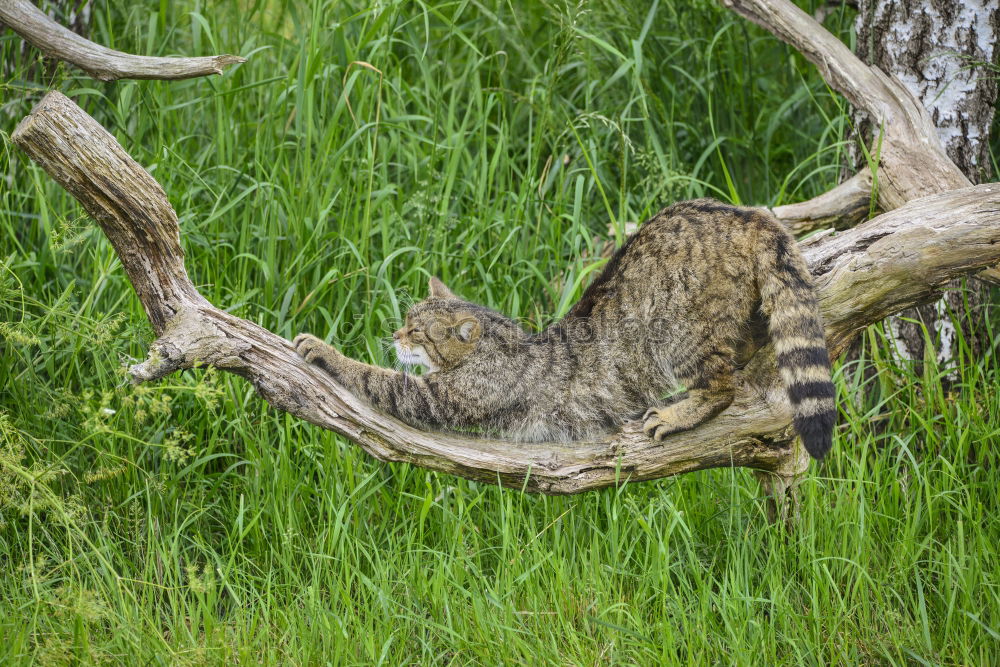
x=789 y=301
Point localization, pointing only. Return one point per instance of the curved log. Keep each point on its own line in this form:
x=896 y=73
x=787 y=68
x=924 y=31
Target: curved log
x=896 y=260
x=98 y=61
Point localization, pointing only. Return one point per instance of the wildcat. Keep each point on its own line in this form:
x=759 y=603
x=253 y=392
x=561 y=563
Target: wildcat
x=671 y=311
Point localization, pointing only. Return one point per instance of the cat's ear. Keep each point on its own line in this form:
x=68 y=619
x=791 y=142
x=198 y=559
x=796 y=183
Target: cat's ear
x=469 y=330
x=440 y=290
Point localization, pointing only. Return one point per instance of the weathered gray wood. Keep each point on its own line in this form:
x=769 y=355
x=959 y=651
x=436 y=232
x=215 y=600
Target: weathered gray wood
x=912 y=160
x=98 y=61
x=844 y=206
x=893 y=261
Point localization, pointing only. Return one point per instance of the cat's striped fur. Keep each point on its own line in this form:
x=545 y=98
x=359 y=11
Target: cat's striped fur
x=675 y=308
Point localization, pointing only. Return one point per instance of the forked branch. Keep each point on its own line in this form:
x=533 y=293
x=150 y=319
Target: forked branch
x=98 y=61
x=894 y=261
x=912 y=161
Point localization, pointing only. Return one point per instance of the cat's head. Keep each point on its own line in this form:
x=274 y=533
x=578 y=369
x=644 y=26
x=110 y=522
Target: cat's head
x=440 y=332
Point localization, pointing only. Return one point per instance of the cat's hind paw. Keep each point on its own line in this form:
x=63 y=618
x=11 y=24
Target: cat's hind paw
x=658 y=423
x=684 y=415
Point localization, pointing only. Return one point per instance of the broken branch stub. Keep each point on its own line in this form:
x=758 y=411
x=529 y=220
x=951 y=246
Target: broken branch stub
x=896 y=260
x=844 y=206
x=98 y=61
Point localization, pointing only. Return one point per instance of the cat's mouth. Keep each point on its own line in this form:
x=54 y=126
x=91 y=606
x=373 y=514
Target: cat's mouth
x=413 y=356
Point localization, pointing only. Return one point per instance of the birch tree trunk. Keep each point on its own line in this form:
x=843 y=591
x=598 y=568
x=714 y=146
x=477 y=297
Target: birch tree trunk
x=941 y=50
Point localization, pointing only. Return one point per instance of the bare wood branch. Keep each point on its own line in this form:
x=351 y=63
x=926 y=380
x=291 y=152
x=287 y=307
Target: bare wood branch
x=991 y=275
x=894 y=261
x=912 y=161
x=844 y=206
x=98 y=61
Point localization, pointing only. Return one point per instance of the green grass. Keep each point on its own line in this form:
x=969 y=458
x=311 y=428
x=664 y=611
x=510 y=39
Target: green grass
x=489 y=143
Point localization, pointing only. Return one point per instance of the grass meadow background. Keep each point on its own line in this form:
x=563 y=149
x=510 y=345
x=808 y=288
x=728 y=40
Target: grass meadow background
x=360 y=150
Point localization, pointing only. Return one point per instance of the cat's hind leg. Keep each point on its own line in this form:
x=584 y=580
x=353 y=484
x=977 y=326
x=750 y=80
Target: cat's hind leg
x=710 y=390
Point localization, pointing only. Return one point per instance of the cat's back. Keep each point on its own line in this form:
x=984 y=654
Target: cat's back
x=699 y=253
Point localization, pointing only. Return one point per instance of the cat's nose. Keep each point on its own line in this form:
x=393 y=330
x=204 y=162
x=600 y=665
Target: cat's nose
x=397 y=334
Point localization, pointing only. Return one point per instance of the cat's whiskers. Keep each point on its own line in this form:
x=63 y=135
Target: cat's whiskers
x=390 y=352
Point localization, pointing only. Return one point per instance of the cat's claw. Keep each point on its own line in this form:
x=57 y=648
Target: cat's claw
x=657 y=423
x=309 y=347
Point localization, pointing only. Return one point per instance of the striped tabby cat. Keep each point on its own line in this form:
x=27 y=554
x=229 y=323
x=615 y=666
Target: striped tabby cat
x=657 y=335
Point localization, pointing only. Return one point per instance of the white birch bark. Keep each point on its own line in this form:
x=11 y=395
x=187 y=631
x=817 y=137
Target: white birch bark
x=941 y=51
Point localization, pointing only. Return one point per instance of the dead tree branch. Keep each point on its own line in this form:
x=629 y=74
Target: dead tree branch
x=97 y=61
x=896 y=260
x=844 y=206
x=912 y=162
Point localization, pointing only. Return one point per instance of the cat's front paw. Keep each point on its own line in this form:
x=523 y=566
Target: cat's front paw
x=315 y=351
x=658 y=423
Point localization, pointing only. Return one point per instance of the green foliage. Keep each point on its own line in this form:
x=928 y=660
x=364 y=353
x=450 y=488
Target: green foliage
x=360 y=150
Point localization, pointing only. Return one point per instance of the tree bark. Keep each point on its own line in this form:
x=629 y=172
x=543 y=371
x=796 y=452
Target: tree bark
x=895 y=260
x=941 y=51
